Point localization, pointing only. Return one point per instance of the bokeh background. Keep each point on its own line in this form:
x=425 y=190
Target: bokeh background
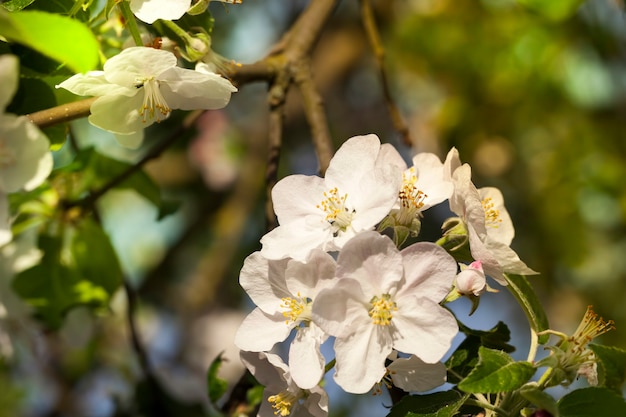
x=533 y=99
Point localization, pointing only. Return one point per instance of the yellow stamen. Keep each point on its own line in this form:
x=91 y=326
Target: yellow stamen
x=410 y=196
x=492 y=215
x=337 y=214
x=296 y=309
x=283 y=402
x=382 y=310
x=589 y=328
x=153 y=100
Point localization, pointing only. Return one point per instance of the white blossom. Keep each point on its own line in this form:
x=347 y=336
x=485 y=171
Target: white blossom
x=281 y=396
x=359 y=189
x=25 y=158
x=386 y=299
x=489 y=226
x=284 y=291
x=143 y=85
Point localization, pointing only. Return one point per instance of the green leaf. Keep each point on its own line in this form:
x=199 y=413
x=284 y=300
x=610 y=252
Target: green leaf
x=16 y=5
x=592 y=402
x=465 y=357
x=553 y=9
x=539 y=398
x=528 y=300
x=496 y=372
x=88 y=277
x=49 y=286
x=95 y=257
x=438 y=404
x=216 y=386
x=611 y=366
x=58 y=37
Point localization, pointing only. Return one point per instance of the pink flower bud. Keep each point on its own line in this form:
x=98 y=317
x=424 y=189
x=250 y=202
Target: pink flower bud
x=471 y=280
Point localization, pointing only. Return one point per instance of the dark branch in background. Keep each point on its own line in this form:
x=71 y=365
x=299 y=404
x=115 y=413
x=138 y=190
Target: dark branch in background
x=153 y=153
x=376 y=44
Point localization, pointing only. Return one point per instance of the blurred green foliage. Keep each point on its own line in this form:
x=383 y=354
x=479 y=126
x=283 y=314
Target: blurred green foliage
x=537 y=108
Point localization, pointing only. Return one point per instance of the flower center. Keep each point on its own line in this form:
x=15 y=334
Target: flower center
x=297 y=309
x=411 y=197
x=7 y=155
x=283 y=402
x=154 y=105
x=589 y=328
x=337 y=214
x=382 y=310
x=492 y=215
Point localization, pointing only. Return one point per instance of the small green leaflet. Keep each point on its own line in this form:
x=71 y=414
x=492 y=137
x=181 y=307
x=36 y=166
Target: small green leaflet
x=216 y=386
x=611 y=366
x=528 y=300
x=496 y=372
x=438 y=404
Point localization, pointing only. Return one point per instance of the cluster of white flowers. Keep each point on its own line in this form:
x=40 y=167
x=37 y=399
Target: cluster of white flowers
x=25 y=158
x=324 y=271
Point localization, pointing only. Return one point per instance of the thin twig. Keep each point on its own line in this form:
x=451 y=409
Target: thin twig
x=376 y=44
x=142 y=356
x=276 y=101
x=155 y=152
x=315 y=113
x=63 y=113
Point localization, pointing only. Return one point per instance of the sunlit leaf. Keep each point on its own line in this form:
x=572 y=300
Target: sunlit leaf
x=496 y=372
x=553 y=9
x=16 y=5
x=58 y=37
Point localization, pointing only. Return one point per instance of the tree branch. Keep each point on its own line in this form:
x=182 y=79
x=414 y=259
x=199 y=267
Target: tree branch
x=376 y=44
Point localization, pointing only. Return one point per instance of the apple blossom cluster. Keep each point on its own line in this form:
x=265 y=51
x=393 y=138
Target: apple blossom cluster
x=25 y=158
x=337 y=266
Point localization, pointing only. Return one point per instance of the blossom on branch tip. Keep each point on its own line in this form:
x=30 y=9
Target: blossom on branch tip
x=360 y=187
x=25 y=158
x=488 y=225
x=386 y=299
x=284 y=291
x=143 y=85
x=281 y=396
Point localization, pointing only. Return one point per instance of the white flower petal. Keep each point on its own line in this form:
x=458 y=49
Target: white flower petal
x=355 y=158
x=150 y=10
x=428 y=270
x=297 y=196
x=131 y=140
x=309 y=278
x=267 y=368
x=373 y=260
x=186 y=89
x=414 y=375
x=260 y=332
x=5 y=221
x=132 y=65
x=28 y=159
x=118 y=114
x=361 y=359
x=93 y=83
x=264 y=281
x=306 y=362
x=295 y=240
x=426 y=331
x=430 y=179
x=9 y=78
x=342 y=309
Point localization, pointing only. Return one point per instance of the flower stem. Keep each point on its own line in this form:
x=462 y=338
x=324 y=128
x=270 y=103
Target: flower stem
x=131 y=23
x=330 y=365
